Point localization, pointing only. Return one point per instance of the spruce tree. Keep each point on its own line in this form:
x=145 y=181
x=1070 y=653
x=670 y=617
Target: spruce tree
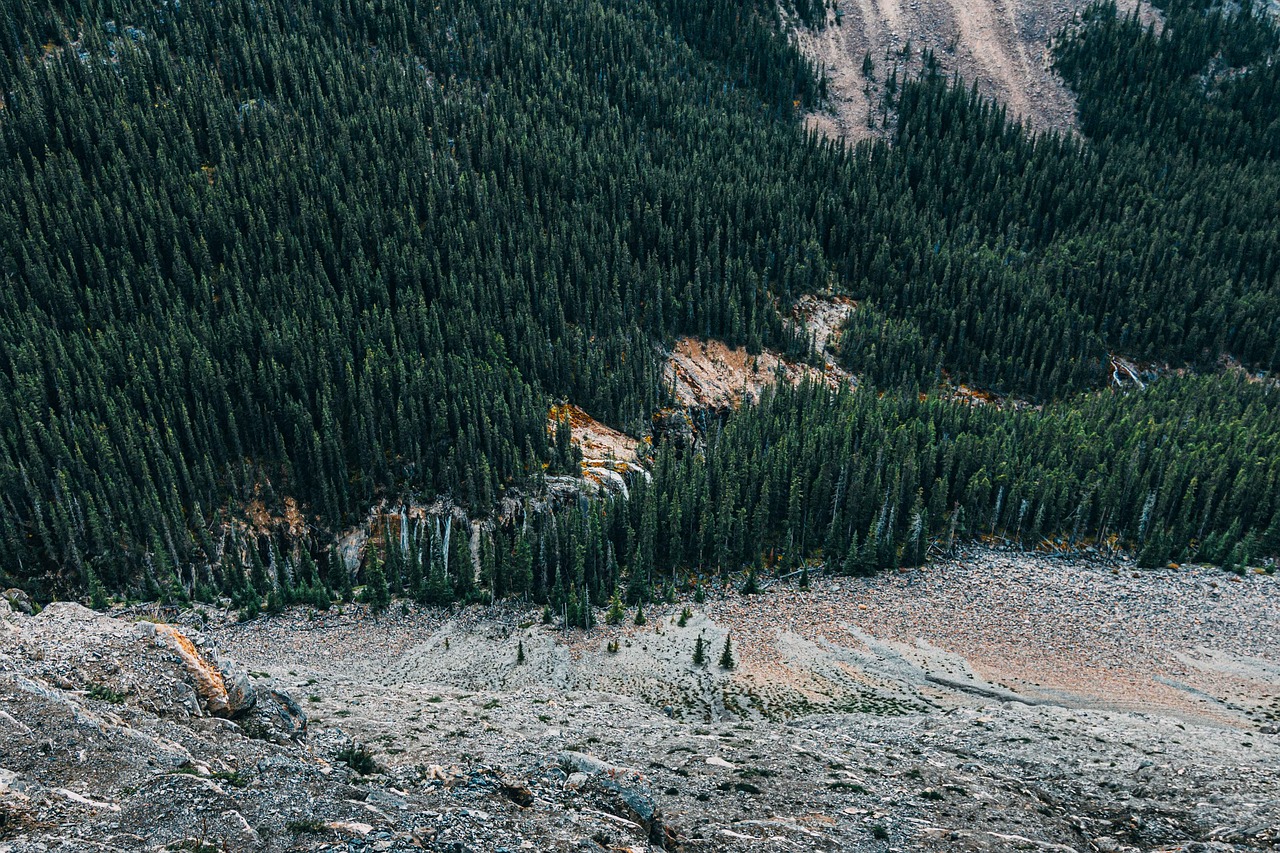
x=97 y=592
x=726 y=656
x=376 y=593
x=615 y=614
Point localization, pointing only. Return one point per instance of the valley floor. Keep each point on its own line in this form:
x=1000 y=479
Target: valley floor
x=997 y=701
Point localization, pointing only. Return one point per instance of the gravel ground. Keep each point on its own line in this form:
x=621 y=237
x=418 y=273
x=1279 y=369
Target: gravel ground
x=997 y=702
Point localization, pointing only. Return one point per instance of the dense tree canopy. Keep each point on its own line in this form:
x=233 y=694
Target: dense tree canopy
x=343 y=251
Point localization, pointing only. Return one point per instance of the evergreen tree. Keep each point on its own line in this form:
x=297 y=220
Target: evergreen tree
x=97 y=592
x=726 y=655
x=376 y=592
x=615 y=614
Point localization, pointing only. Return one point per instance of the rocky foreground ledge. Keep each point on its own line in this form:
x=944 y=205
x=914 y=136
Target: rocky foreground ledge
x=420 y=733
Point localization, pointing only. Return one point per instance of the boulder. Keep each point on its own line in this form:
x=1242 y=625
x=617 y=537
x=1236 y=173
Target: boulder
x=225 y=690
x=205 y=677
x=274 y=716
x=19 y=601
x=581 y=762
x=633 y=803
x=516 y=790
x=241 y=694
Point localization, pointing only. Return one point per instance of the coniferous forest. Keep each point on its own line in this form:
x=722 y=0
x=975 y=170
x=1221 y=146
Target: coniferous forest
x=341 y=252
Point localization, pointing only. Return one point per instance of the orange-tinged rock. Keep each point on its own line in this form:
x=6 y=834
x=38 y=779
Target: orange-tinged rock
x=206 y=677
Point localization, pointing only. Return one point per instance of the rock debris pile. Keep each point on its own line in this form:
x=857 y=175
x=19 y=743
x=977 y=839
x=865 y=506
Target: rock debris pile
x=889 y=714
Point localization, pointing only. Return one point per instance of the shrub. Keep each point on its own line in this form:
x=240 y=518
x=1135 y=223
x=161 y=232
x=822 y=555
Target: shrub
x=359 y=759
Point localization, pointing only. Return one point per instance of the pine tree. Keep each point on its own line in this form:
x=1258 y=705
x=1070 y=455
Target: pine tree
x=344 y=573
x=520 y=653
x=97 y=592
x=726 y=656
x=699 y=652
x=640 y=620
x=615 y=614
x=376 y=593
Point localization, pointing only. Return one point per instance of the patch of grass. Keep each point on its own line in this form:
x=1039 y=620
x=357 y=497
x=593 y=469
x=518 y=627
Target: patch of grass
x=749 y=772
x=359 y=759
x=106 y=694
x=879 y=833
x=308 y=825
x=852 y=787
x=491 y=704
x=931 y=794
x=234 y=778
x=744 y=787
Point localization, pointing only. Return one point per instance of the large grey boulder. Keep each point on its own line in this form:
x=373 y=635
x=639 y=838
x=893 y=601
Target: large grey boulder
x=275 y=716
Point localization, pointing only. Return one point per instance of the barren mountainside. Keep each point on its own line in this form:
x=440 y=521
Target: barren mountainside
x=1002 y=46
x=857 y=716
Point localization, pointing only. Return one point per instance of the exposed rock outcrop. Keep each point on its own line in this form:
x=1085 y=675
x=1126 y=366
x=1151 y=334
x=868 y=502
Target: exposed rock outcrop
x=18 y=600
